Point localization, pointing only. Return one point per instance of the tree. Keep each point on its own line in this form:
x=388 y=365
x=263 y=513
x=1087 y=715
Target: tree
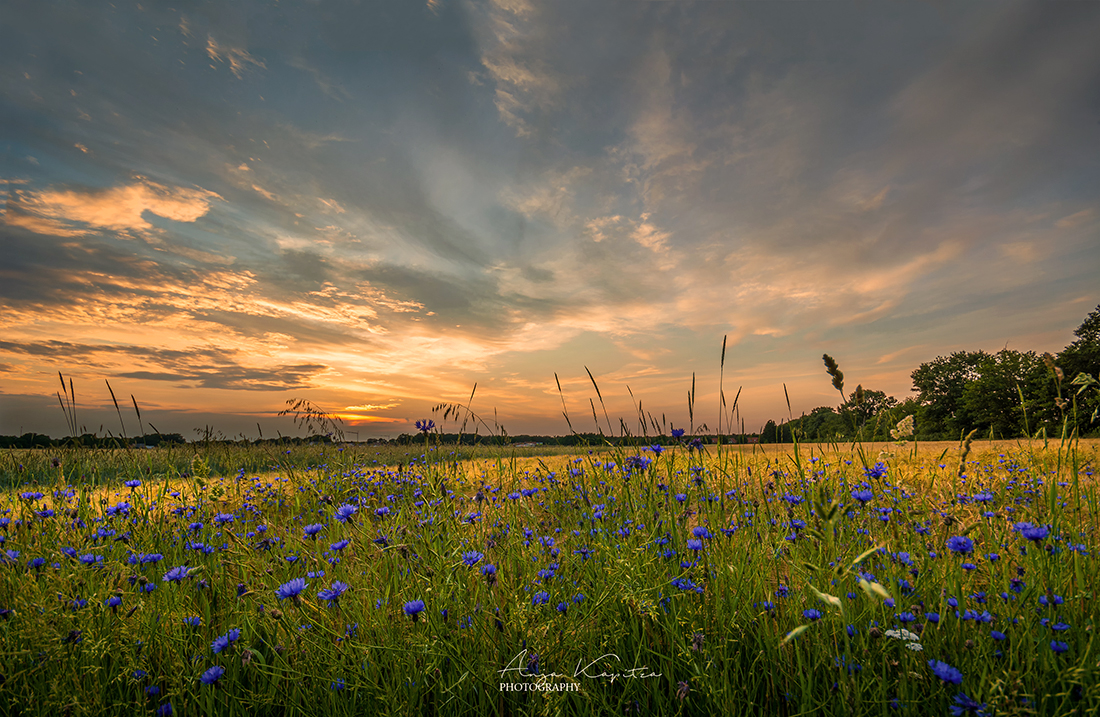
x=993 y=399
x=865 y=407
x=822 y=424
x=940 y=385
x=1083 y=355
x=776 y=434
x=1079 y=361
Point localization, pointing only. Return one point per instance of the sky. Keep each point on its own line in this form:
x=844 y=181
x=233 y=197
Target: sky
x=377 y=206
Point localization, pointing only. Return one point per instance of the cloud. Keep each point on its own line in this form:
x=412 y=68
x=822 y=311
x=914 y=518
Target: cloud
x=327 y=85
x=373 y=407
x=280 y=378
x=72 y=212
x=1076 y=219
x=238 y=58
x=313 y=140
x=14 y=215
x=523 y=83
x=204 y=367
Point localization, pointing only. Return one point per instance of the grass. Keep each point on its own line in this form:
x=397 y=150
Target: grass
x=737 y=580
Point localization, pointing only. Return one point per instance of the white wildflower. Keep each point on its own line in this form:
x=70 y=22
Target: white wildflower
x=904 y=429
x=902 y=634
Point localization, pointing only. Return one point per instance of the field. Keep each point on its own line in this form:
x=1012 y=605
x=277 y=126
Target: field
x=852 y=579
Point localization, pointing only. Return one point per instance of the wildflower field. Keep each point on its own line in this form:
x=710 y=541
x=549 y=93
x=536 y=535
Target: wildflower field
x=842 y=579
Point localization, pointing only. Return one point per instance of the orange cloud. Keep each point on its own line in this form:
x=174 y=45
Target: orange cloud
x=73 y=212
x=238 y=59
x=355 y=419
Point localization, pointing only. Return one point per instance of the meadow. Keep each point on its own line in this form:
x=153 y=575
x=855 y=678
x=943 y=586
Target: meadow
x=887 y=578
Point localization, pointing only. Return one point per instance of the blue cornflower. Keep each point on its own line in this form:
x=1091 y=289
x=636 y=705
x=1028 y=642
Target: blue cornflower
x=132 y=483
x=193 y=621
x=693 y=544
x=700 y=531
x=212 y=675
x=122 y=508
x=863 y=495
x=113 y=602
x=960 y=544
x=471 y=557
x=312 y=530
x=562 y=607
x=680 y=497
x=1035 y=533
x=540 y=598
x=292 y=589
x=812 y=614
x=337 y=685
x=945 y=672
x=677 y=433
x=1058 y=646
x=345 y=512
x=222 y=642
x=340 y=545
x=425 y=426
x=165 y=710
x=414 y=608
x=964 y=705
x=997 y=635
x=333 y=593
x=175 y=575
x=878 y=471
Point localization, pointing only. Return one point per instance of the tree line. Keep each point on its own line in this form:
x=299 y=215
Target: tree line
x=1007 y=394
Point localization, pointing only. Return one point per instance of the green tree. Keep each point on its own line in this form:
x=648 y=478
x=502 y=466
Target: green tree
x=1079 y=361
x=940 y=385
x=992 y=400
x=867 y=409
x=1083 y=355
x=823 y=424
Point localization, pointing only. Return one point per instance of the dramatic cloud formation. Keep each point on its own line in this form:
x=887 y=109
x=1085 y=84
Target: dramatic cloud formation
x=377 y=206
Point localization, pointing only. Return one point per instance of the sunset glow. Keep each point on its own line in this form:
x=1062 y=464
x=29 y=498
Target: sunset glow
x=377 y=206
